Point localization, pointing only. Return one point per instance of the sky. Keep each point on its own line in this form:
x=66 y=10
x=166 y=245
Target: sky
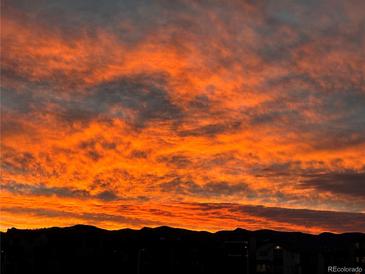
x=205 y=115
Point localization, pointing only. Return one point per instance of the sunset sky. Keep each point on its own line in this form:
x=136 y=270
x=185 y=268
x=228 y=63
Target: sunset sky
x=205 y=115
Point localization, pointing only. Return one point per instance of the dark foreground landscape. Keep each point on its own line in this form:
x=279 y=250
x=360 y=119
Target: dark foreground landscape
x=87 y=249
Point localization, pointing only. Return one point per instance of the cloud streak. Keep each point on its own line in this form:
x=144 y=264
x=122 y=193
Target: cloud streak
x=60 y=192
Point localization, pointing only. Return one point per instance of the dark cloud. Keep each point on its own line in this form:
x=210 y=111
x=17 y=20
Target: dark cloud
x=327 y=220
x=82 y=216
x=109 y=145
x=209 y=189
x=139 y=154
x=335 y=139
x=94 y=142
x=16 y=101
x=223 y=188
x=107 y=196
x=342 y=122
x=145 y=94
x=200 y=103
x=10 y=127
x=136 y=99
x=62 y=192
x=277 y=169
x=21 y=162
x=94 y=155
x=43 y=190
x=175 y=160
x=331 y=114
x=340 y=112
x=349 y=183
x=111 y=179
x=277 y=116
x=160 y=212
x=86 y=144
x=75 y=18
x=212 y=130
x=225 y=159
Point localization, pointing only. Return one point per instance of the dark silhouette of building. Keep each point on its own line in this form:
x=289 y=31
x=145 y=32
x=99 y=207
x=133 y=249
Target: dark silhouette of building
x=276 y=258
x=87 y=249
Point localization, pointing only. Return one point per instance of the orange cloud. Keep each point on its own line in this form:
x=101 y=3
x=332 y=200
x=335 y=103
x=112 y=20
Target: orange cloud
x=165 y=114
